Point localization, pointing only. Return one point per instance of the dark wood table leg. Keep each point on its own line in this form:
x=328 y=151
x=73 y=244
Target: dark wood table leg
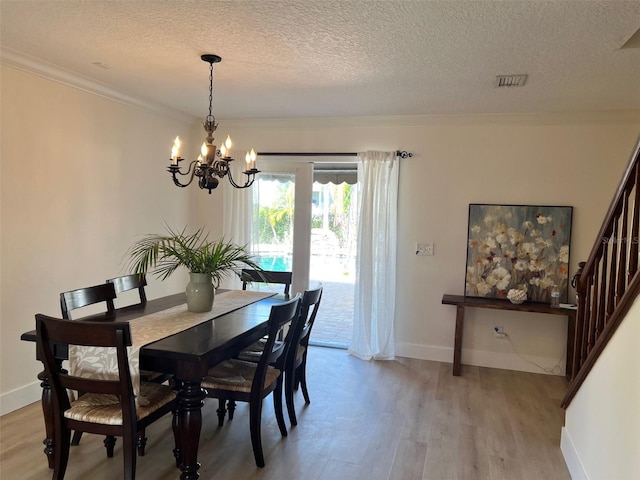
x=177 y=452
x=189 y=423
x=457 y=344
x=47 y=411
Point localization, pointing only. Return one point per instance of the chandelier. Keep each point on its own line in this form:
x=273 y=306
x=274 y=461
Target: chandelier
x=212 y=163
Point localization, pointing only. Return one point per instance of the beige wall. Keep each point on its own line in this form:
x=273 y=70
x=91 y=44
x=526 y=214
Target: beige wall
x=82 y=176
x=95 y=178
x=600 y=440
x=525 y=159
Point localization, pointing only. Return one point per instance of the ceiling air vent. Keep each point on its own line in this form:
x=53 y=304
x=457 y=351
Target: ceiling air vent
x=510 y=80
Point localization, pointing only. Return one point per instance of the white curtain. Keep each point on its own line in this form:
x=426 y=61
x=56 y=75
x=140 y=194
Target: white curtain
x=376 y=261
x=236 y=223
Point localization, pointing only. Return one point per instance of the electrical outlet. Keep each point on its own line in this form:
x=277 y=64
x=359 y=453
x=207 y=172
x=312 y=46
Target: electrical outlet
x=424 y=249
x=498 y=332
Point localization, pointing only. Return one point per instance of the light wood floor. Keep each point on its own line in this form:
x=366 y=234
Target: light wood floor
x=406 y=419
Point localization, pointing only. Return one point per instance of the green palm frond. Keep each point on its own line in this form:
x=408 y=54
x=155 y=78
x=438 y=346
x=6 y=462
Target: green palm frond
x=164 y=254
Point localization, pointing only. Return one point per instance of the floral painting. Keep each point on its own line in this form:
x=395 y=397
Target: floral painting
x=518 y=247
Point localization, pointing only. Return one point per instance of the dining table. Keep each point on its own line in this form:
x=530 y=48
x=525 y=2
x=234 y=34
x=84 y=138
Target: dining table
x=187 y=355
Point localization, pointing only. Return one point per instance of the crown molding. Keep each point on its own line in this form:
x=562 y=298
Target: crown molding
x=38 y=67
x=524 y=119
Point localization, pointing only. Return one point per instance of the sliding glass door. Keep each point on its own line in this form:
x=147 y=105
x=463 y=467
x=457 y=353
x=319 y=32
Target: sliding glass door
x=281 y=223
x=305 y=221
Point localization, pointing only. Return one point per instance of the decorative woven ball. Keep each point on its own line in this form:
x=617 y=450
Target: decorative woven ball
x=516 y=296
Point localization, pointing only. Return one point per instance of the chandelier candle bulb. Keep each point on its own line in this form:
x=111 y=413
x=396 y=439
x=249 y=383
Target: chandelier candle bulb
x=175 y=151
x=227 y=144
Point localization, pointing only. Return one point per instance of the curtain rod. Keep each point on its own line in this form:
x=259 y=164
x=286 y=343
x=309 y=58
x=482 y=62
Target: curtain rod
x=399 y=153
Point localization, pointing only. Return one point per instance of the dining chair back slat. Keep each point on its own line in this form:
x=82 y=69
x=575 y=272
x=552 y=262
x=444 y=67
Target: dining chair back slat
x=94 y=334
x=82 y=297
x=130 y=282
x=267 y=276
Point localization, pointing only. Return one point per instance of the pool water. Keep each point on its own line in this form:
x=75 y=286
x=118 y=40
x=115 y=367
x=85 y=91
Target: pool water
x=275 y=264
x=323 y=268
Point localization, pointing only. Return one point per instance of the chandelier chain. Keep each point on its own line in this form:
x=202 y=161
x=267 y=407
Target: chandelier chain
x=210 y=89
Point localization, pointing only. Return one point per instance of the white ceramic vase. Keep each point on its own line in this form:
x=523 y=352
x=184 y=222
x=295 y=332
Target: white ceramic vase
x=200 y=292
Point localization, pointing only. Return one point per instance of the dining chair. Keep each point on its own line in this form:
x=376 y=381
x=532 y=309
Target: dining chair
x=83 y=297
x=296 y=368
x=108 y=406
x=106 y=292
x=86 y=296
x=131 y=282
x=296 y=362
x=266 y=276
x=238 y=380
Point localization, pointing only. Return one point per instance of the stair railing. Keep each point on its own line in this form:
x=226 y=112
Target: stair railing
x=609 y=281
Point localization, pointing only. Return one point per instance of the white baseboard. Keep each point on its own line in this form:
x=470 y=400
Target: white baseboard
x=424 y=352
x=571 y=457
x=20 y=397
x=479 y=358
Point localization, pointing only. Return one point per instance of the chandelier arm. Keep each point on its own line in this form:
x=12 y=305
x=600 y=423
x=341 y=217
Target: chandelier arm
x=191 y=171
x=248 y=183
x=221 y=167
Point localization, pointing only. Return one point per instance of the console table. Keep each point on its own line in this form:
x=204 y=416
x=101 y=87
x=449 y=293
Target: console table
x=461 y=302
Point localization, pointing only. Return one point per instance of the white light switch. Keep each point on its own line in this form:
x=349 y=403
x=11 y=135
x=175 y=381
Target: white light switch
x=424 y=249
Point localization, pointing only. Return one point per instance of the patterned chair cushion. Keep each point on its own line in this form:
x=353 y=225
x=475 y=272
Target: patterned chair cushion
x=236 y=375
x=97 y=408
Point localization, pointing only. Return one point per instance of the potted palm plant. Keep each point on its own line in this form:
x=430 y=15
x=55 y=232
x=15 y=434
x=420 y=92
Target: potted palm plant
x=207 y=262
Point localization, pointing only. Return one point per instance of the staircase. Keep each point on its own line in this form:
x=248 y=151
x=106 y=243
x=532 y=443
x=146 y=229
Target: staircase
x=609 y=281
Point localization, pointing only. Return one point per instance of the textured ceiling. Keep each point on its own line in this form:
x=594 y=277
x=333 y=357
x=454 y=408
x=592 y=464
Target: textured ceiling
x=317 y=58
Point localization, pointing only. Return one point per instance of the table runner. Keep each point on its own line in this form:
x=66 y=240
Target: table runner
x=101 y=362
